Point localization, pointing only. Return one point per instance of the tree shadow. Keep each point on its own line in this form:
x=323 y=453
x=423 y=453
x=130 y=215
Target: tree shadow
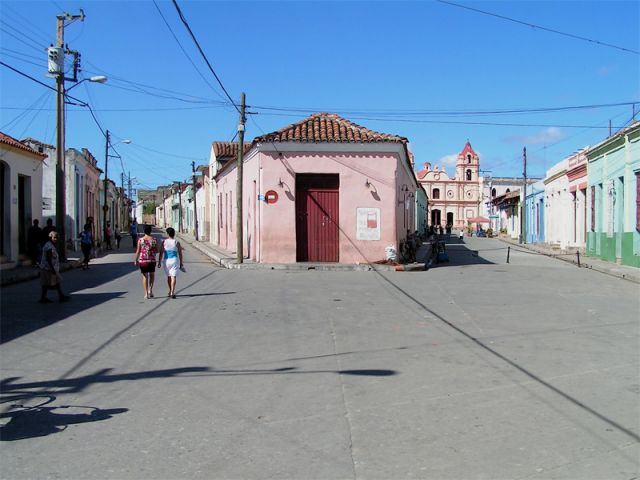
x=458 y=254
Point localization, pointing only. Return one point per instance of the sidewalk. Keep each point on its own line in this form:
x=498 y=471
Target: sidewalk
x=23 y=273
x=228 y=259
x=621 y=271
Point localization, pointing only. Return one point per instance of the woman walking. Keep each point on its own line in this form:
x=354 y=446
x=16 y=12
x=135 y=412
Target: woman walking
x=86 y=244
x=171 y=250
x=146 y=251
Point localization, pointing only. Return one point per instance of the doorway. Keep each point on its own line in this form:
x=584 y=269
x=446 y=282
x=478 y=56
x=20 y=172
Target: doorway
x=450 y=218
x=436 y=217
x=317 y=220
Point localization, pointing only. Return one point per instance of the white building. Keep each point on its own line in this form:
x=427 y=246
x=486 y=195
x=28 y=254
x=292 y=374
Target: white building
x=20 y=195
x=558 y=205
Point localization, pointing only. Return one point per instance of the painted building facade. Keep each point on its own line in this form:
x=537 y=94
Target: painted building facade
x=535 y=217
x=495 y=187
x=320 y=190
x=578 y=183
x=454 y=200
x=613 y=197
x=558 y=204
x=20 y=195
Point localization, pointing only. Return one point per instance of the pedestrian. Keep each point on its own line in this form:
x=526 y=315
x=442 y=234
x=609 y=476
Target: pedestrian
x=86 y=244
x=107 y=236
x=50 y=227
x=461 y=234
x=440 y=230
x=146 y=252
x=171 y=250
x=50 y=270
x=118 y=237
x=34 y=242
x=134 y=233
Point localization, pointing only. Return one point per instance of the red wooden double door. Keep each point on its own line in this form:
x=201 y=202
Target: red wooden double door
x=317 y=222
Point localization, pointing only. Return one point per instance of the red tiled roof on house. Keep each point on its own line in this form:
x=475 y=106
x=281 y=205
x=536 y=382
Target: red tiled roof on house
x=12 y=142
x=328 y=127
x=228 y=149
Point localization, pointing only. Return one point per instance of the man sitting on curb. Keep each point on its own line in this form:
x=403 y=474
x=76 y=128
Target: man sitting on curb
x=50 y=270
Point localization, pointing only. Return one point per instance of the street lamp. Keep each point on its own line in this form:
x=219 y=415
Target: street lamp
x=61 y=204
x=105 y=206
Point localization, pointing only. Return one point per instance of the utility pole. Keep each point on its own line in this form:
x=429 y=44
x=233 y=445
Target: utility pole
x=61 y=204
x=105 y=206
x=180 y=206
x=239 y=234
x=195 y=205
x=130 y=198
x=523 y=233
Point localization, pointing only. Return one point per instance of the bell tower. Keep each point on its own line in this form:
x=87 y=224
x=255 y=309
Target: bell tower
x=468 y=166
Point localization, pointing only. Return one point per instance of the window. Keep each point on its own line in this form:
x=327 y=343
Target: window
x=469 y=175
x=468 y=158
x=493 y=192
x=436 y=193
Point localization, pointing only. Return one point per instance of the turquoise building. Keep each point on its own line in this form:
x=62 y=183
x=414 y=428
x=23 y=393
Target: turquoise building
x=613 y=197
x=534 y=204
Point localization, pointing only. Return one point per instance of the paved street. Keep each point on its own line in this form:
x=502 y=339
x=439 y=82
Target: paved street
x=474 y=369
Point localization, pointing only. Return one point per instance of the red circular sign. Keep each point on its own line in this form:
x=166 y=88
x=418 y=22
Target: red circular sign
x=271 y=196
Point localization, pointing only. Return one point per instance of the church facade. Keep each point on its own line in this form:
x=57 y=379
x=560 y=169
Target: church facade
x=453 y=200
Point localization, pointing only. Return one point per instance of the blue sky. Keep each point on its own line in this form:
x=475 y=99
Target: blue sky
x=384 y=65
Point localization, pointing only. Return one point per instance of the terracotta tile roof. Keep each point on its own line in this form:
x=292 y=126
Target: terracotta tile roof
x=328 y=127
x=12 y=142
x=228 y=149
x=468 y=149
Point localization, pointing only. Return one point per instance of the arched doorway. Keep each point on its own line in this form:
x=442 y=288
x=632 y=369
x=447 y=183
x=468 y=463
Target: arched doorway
x=450 y=218
x=435 y=217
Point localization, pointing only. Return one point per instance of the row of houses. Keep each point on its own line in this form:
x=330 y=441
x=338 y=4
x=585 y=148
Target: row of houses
x=328 y=190
x=589 y=201
x=320 y=190
x=28 y=192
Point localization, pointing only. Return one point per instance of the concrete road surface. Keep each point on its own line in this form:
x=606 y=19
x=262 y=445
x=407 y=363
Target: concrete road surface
x=476 y=369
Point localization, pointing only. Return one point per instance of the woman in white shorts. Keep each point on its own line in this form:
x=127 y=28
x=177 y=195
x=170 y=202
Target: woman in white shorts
x=171 y=252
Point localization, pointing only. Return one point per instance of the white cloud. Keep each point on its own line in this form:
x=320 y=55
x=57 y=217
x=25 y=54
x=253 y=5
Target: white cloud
x=448 y=160
x=605 y=70
x=545 y=137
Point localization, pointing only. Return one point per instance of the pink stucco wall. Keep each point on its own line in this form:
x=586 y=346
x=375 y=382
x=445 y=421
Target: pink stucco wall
x=270 y=229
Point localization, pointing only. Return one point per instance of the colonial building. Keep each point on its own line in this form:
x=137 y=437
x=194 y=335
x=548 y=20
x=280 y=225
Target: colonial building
x=454 y=200
x=321 y=190
x=613 y=197
x=20 y=195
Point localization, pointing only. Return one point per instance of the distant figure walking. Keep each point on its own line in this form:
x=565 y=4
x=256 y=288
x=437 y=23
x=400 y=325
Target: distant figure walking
x=146 y=252
x=134 y=233
x=50 y=270
x=118 y=237
x=108 y=233
x=171 y=250
x=86 y=244
x=34 y=242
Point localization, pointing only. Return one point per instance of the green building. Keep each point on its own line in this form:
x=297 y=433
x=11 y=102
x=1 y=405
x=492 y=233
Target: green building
x=613 y=196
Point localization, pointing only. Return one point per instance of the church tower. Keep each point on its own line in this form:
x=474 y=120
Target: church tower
x=468 y=166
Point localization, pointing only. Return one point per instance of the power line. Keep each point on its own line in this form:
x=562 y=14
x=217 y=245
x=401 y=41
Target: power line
x=186 y=24
x=571 y=35
x=184 y=51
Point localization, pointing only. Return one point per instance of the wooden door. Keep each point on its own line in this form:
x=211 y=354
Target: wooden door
x=317 y=220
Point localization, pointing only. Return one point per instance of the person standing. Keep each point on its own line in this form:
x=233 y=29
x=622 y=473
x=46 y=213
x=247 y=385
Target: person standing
x=50 y=227
x=134 y=233
x=86 y=244
x=171 y=250
x=50 y=270
x=146 y=252
x=107 y=236
x=34 y=242
x=118 y=237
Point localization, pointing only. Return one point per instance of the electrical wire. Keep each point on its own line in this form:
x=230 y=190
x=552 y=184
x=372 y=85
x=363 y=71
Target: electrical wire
x=185 y=52
x=558 y=32
x=186 y=24
x=37 y=49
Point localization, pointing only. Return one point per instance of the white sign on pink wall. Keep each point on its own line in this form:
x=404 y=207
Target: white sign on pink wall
x=368 y=223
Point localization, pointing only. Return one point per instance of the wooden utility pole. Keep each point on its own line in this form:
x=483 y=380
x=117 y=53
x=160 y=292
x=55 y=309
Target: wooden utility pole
x=239 y=234
x=195 y=205
x=523 y=236
x=180 y=206
x=105 y=206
